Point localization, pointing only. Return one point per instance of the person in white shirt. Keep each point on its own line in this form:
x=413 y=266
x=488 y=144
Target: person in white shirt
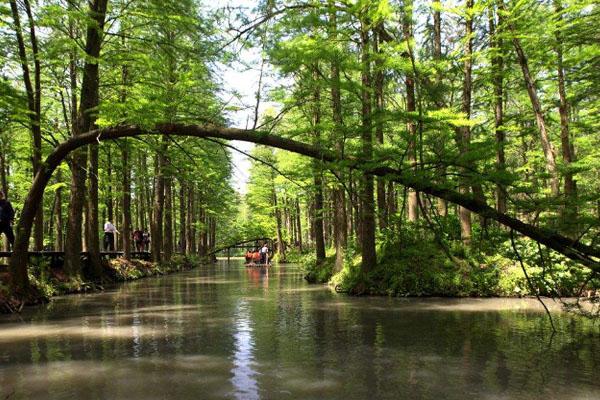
x=109 y=236
x=264 y=254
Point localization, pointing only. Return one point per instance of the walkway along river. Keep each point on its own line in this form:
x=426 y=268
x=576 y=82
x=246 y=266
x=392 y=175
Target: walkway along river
x=227 y=331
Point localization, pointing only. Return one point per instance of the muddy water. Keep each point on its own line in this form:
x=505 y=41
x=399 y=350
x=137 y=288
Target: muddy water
x=228 y=332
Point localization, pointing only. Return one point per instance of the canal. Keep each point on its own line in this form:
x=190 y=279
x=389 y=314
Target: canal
x=224 y=331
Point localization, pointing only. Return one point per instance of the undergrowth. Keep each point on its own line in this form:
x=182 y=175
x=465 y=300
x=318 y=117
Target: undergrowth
x=416 y=263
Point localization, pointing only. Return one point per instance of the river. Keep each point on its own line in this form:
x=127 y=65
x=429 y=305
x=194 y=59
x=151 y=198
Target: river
x=224 y=331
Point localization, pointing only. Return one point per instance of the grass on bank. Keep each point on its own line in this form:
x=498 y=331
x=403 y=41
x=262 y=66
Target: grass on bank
x=418 y=264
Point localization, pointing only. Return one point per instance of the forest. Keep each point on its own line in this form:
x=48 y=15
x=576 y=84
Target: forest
x=404 y=148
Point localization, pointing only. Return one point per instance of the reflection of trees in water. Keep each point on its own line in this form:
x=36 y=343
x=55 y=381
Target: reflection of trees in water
x=220 y=324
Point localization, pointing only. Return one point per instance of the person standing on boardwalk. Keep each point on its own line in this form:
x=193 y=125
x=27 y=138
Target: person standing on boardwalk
x=146 y=240
x=138 y=240
x=7 y=215
x=109 y=236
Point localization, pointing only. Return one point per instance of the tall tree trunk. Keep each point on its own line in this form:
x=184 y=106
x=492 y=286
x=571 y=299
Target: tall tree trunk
x=298 y=224
x=189 y=232
x=340 y=235
x=392 y=201
x=203 y=247
x=109 y=192
x=367 y=220
x=496 y=43
x=92 y=220
x=159 y=203
x=182 y=219
x=125 y=156
x=4 y=185
x=280 y=243
x=33 y=91
x=37 y=132
x=168 y=245
x=464 y=133
x=126 y=228
x=411 y=107
x=4 y=170
x=442 y=205
x=85 y=121
x=382 y=216
x=317 y=175
x=146 y=189
x=568 y=156
x=58 y=220
x=213 y=235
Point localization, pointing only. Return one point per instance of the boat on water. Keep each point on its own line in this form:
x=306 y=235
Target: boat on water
x=253 y=259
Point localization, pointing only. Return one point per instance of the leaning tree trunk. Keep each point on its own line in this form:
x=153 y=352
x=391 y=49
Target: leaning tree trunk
x=575 y=250
x=547 y=147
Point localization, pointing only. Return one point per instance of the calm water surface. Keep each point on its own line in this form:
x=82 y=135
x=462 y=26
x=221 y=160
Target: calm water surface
x=228 y=332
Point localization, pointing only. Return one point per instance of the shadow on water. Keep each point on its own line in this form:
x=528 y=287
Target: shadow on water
x=225 y=331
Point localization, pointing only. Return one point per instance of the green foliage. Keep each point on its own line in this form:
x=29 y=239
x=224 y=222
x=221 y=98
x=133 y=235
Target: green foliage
x=317 y=272
x=413 y=264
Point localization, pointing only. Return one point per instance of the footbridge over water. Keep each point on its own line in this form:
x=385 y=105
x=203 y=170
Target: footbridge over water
x=247 y=244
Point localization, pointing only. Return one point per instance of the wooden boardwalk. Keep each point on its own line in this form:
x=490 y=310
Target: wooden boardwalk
x=56 y=259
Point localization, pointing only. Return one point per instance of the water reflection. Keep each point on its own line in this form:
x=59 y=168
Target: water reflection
x=229 y=331
x=244 y=375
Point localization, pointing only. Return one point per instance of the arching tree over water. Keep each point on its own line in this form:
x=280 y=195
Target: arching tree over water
x=377 y=88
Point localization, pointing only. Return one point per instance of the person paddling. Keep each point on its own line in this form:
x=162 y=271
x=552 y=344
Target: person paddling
x=109 y=236
x=7 y=215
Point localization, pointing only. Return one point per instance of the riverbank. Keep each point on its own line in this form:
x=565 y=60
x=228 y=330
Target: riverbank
x=419 y=266
x=49 y=282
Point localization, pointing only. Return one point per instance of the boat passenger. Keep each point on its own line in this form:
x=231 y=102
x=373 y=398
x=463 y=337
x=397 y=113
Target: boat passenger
x=264 y=254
